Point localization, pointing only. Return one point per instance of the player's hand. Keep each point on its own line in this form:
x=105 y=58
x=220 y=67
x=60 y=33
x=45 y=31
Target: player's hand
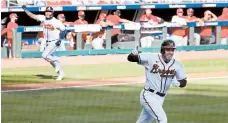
x=135 y=51
x=24 y=7
x=58 y=43
x=175 y=83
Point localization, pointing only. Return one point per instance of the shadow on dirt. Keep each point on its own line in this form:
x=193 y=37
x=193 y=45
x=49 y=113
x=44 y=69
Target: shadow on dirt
x=41 y=76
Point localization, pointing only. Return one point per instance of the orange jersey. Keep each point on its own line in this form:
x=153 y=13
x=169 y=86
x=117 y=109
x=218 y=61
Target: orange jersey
x=9 y=28
x=101 y=33
x=148 y=18
x=206 y=31
x=80 y=22
x=192 y=18
x=115 y=20
x=180 y=31
x=224 y=29
x=9 y=31
x=41 y=34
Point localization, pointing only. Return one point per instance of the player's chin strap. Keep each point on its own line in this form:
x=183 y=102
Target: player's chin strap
x=49 y=18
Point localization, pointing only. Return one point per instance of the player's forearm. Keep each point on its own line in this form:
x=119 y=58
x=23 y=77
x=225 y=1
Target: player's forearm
x=31 y=15
x=161 y=21
x=133 y=58
x=125 y=21
x=214 y=17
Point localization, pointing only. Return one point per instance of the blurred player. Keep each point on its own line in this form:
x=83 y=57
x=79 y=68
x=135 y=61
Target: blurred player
x=146 y=40
x=224 y=29
x=115 y=19
x=68 y=38
x=98 y=42
x=179 y=33
x=86 y=36
x=12 y=24
x=206 y=32
x=191 y=18
x=161 y=70
x=52 y=32
x=41 y=42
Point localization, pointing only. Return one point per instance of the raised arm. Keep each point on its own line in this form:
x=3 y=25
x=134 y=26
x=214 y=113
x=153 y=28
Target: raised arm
x=214 y=17
x=133 y=56
x=5 y=30
x=30 y=14
x=125 y=21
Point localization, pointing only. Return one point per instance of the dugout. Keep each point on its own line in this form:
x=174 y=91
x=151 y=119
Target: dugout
x=92 y=15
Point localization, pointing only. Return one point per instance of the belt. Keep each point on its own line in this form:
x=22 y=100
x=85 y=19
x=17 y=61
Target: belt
x=158 y=93
x=51 y=40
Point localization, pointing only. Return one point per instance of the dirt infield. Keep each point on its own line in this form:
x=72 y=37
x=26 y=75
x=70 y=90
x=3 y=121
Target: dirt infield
x=100 y=59
x=12 y=63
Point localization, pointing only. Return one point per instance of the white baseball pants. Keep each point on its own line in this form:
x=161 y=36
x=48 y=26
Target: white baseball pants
x=49 y=55
x=152 y=108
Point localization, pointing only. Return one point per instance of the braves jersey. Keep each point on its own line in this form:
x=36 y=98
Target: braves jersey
x=52 y=28
x=158 y=73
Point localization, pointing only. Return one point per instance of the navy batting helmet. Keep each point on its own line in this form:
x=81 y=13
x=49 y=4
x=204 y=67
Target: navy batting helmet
x=167 y=44
x=49 y=9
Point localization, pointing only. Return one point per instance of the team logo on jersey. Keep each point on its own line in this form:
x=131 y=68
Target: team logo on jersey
x=163 y=73
x=49 y=26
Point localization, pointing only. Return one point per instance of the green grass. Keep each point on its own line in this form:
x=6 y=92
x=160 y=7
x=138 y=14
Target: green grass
x=115 y=104
x=101 y=71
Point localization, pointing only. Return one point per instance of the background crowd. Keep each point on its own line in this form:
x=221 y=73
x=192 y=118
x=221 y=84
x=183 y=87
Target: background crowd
x=180 y=35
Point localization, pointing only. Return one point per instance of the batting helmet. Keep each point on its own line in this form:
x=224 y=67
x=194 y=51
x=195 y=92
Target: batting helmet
x=167 y=44
x=49 y=9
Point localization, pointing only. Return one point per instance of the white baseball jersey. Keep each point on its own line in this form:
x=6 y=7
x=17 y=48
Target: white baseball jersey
x=158 y=73
x=179 y=20
x=52 y=28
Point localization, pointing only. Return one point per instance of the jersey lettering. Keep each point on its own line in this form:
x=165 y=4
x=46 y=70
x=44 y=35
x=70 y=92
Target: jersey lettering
x=163 y=72
x=49 y=26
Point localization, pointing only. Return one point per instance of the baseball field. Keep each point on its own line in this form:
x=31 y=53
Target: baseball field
x=105 y=89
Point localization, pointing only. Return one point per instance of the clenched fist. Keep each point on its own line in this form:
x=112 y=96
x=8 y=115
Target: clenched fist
x=24 y=7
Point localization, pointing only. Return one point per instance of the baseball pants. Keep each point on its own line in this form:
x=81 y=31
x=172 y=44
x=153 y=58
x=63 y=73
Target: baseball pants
x=152 y=108
x=224 y=40
x=97 y=43
x=180 y=40
x=49 y=55
x=42 y=44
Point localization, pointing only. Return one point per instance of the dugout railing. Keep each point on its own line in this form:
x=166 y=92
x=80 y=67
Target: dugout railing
x=137 y=28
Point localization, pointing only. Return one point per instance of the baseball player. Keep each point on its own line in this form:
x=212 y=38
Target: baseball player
x=161 y=70
x=52 y=32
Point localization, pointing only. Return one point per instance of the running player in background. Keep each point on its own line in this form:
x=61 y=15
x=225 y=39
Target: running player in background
x=52 y=32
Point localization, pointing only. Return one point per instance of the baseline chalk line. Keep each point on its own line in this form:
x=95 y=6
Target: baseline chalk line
x=99 y=85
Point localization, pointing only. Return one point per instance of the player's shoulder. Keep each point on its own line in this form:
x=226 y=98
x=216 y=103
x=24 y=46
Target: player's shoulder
x=58 y=21
x=177 y=63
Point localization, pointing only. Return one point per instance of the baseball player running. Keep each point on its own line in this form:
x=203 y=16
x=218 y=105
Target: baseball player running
x=161 y=70
x=52 y=29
